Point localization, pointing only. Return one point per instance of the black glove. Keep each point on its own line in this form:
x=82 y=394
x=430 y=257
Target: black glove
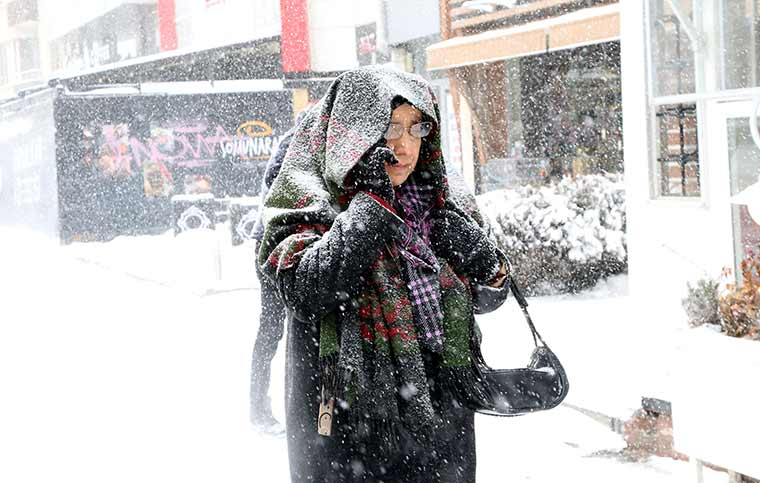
x=369 y=173
x=465 y=246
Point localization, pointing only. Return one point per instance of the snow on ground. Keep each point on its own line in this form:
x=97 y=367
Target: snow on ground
x=117 y=364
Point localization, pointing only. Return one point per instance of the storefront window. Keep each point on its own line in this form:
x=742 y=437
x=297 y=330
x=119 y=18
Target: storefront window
x=28 y=58
x=19 y=11
x=744 y=165
x=741 y=43
x=677 y=153
x=546 y=117
x=672 y=50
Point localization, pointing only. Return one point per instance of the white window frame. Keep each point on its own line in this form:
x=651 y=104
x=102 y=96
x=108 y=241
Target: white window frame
x=721 y=112
x=709 y=76
x=655 y=102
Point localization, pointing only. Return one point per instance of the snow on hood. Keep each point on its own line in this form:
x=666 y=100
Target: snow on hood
x=353 y=116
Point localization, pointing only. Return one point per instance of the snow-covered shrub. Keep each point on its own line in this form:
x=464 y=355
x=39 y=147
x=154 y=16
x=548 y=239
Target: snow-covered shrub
x=564 y=237
x=740 y=305
x=701 y=303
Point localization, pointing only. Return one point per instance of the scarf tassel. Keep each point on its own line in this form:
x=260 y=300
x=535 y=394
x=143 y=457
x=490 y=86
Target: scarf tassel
x=467 y=383
x=468 y=386
x=330 y=380
x=381 y=433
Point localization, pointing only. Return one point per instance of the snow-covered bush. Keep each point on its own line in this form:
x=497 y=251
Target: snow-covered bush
x=564 y=237
x=701 y=303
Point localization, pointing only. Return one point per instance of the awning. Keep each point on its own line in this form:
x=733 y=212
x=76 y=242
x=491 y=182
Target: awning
x=256 y=59
x=582 y=27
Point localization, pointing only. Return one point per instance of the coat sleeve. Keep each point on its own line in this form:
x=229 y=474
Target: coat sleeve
x=486 y=299
x=329 y=271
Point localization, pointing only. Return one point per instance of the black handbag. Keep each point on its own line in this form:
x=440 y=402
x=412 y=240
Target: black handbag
x=540 y=386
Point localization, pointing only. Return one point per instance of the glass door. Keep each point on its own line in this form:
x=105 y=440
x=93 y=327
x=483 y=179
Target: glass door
x=742 y=154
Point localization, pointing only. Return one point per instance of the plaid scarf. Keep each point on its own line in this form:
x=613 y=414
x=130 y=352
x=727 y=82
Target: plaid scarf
x=419 y=266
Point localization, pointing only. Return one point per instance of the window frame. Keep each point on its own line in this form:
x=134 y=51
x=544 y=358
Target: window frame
x=656 y=102
x=709 y=82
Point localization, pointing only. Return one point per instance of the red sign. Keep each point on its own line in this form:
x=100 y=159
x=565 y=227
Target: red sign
x=294 y=41
x=167 y=26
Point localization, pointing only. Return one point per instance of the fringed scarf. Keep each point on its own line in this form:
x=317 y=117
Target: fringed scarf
x=372 y=361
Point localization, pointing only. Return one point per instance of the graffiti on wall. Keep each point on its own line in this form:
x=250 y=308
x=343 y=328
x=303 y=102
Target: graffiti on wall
x=113 y=150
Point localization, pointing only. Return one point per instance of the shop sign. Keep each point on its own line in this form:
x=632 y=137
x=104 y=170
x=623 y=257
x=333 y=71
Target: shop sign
x=125 y=158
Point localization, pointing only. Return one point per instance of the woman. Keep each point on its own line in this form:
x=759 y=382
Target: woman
x=382 y=265
x=272 y=315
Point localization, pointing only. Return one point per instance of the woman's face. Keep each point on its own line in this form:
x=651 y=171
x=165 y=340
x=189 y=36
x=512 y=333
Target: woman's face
x=407 y=147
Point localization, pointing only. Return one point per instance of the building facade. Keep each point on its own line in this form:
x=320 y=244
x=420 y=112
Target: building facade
x=536 y=86
x=97 y=32
x=691 y=97
x=691 y=152
x=672 y=90
x=211 y=23
x=22 y=52
x=550 y=82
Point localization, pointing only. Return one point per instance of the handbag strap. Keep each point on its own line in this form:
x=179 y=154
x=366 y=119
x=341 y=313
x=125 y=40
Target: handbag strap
x=524 y=307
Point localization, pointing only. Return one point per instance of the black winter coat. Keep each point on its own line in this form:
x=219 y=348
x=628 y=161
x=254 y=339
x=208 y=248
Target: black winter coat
x=333 y=267
x=321 y=269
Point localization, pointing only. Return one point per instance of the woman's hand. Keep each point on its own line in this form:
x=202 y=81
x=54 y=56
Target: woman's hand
x=369 y=173
x=465 y=246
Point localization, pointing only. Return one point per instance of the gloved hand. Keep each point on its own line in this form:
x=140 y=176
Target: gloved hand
x=465 y=246
x=369 y=173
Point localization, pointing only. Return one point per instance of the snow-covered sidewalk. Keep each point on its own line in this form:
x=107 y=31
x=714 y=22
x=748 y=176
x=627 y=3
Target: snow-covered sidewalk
x=112 y=372
x=615 y=352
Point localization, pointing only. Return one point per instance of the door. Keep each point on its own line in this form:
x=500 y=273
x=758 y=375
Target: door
x=737 y=150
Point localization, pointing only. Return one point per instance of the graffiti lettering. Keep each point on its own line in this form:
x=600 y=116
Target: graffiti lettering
x=254 y=129
x=185 y=145
x=252 y=148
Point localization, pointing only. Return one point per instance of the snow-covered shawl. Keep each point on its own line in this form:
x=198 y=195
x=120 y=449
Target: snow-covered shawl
x=369 y=354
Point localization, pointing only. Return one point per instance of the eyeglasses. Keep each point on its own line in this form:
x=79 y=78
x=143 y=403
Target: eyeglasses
x=419 y=130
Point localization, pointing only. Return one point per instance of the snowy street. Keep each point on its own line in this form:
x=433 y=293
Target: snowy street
x=398 y=166
x=108 y=375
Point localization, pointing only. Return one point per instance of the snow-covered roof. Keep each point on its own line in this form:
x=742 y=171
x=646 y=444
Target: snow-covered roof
x=64 y=74
x=179 y=88
x=246 y=60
